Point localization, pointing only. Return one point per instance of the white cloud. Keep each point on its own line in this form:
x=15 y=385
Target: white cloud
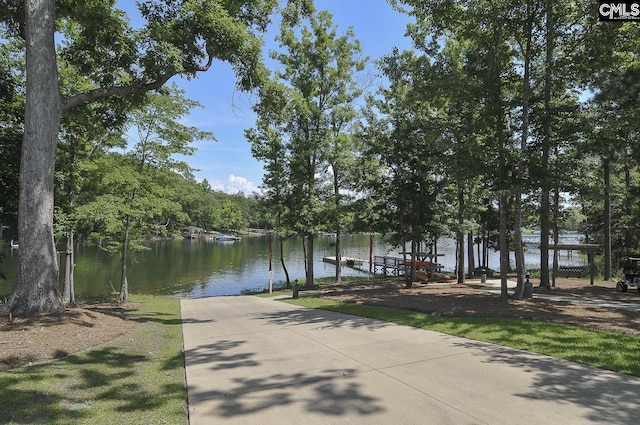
x=234 y=184
x=237 y=184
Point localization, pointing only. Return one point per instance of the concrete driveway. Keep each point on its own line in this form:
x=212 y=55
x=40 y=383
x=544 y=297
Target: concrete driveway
x=251 y=360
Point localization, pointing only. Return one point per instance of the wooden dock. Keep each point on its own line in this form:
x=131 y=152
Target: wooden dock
x=345 y=261
x=397 y=265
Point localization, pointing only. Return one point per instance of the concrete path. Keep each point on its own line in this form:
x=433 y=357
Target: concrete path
x=251 y=360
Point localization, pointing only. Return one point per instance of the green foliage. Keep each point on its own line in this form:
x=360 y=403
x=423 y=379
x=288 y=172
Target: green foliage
x=403 y=135
x=137 y=188
x=11 y=128
x=302 y=120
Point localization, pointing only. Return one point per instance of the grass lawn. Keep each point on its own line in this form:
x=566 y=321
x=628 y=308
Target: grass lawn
x=604 y=350
x=135 y=379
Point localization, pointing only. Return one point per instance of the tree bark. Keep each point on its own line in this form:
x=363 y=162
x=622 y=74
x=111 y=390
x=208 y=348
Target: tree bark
x=546 y=147
x=284 y=267
x=472 y=260
x=460 y=236
x=124 y=282
x=68 y=293
x=556 y=232
x=36 y=289
x=336 y=194
x=504 y=247
x=310 y=245
x=607 y=219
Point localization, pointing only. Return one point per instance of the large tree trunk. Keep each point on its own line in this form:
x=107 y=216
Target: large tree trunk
x=36 y=289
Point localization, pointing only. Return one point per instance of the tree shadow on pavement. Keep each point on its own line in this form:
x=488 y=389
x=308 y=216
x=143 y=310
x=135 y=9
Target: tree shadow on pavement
x=609 y=397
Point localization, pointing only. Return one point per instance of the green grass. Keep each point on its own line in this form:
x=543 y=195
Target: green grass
x=279 y=287
x=135 y=379
x=603 y=350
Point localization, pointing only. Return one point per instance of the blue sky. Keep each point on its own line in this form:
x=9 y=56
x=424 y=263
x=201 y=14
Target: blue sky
x=227 y=163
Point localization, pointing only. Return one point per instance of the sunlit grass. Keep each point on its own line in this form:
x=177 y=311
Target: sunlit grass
x=604 y=350
x=135 y=379
x=279 y=287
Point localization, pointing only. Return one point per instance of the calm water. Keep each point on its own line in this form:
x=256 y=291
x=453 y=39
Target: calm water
x=200 y=268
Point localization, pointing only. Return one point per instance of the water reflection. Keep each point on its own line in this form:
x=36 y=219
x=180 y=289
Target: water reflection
x=199 y=267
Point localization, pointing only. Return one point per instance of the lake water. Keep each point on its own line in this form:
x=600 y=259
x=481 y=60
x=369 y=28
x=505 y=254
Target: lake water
x=200 y=268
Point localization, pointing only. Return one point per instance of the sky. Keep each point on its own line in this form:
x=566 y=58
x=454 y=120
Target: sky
x=227 y=164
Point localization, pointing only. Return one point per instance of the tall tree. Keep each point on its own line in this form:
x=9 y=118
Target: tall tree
x=137 y=186
x=487 y=33
x=180 y=38
x=316 y=83
x=404 y=133
x=268 y=146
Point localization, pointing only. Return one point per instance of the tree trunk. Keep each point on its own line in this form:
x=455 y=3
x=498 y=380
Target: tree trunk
x=504 y=247
x=517 y=244
x=412 y=270
x=472 y=260
x=124 y=283
x=36 y=289
x=556 y=231
x=546 y=146
x=338 y=257
x=607 y=219
x=336 y=194
x=68 y=293
x=460 y=236
x=628 y=211
x=284 y=267
x=521 y=172
x=310 y=243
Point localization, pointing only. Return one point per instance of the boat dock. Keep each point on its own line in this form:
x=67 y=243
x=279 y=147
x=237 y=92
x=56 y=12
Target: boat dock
x=397 y=265
x=354 y=263
x=348 y=261
x=386 y=265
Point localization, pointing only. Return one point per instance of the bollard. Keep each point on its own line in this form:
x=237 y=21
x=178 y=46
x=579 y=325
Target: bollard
x=483 y=278
x=296 y=288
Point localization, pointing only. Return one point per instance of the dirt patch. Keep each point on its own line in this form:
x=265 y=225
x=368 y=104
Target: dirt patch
x=25 y=341
x=469 y=299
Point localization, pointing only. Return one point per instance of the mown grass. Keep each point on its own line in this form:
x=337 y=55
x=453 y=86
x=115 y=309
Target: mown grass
x=135 y=379
x=280 y=289
x=603 y=350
